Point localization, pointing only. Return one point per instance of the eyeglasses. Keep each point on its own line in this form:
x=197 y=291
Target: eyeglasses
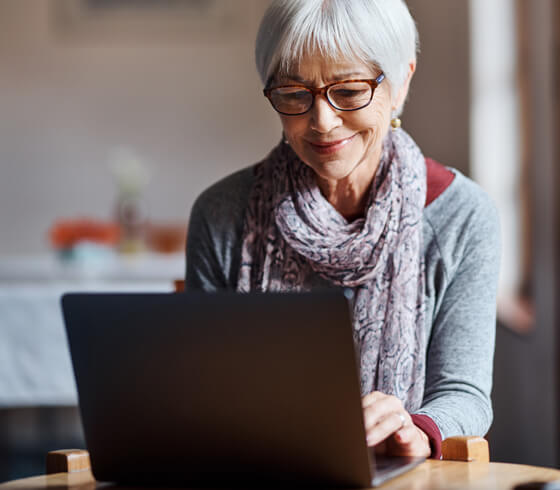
x=346 y=95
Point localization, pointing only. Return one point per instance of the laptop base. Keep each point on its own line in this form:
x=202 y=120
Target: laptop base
x=387 y=467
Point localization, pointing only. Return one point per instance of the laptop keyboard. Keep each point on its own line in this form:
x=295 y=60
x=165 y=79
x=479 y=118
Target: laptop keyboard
x=386 y=463
x=386 y=467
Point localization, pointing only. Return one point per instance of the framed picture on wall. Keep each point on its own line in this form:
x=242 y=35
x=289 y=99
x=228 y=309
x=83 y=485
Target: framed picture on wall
x=114 y=20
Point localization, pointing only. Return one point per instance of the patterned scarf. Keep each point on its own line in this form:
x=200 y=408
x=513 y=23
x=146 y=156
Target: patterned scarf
x=291 y=232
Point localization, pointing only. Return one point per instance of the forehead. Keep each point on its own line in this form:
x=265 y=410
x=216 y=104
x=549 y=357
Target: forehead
x=319 y=69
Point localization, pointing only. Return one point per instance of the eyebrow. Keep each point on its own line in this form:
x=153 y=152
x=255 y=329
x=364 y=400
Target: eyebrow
x=336 y=78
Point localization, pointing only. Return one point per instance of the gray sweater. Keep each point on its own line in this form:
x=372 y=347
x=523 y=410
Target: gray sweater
x=462 y=255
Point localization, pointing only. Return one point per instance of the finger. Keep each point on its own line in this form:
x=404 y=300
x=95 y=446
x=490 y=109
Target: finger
x=372 y=397
x=384 y=407
x=415 y=448
x=416 y=443
x=405 y=435
x=383 y=429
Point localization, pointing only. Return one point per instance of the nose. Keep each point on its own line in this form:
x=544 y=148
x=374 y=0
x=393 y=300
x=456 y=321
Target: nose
x=324 y=117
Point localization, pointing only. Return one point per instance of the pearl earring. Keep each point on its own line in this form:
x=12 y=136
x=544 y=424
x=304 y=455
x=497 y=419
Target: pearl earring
x=395 y=123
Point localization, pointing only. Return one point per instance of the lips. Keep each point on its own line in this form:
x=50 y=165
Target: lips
x=327 y=147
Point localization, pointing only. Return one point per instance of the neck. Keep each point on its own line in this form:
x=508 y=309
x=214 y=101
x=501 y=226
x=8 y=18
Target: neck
x=349 y=195
x=346 y=197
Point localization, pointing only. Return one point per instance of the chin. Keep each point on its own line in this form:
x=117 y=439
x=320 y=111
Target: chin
x=332 y=170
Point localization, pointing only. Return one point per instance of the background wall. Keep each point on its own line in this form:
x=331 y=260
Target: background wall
x=526 y=383
x=438 y=111
x=190 y=108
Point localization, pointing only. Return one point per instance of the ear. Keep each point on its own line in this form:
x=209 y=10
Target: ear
x=398 y=101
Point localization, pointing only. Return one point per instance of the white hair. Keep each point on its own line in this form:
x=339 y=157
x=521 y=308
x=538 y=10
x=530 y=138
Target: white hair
x=381 y=33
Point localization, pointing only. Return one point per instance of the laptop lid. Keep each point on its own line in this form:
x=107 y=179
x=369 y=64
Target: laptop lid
x=219 y=388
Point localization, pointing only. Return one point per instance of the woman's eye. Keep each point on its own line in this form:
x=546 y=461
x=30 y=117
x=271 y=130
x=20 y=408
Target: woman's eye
x=295 y=95
x=348 y=93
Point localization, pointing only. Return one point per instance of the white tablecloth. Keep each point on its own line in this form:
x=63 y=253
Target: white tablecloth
x=35 y=366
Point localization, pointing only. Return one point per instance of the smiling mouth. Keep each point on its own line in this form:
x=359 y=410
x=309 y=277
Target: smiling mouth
x=328 y=147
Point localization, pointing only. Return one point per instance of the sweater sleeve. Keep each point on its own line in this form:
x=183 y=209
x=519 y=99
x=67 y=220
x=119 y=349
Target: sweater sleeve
x=214 y=234
x=204 y=271
x=430 y=428
x=461 y=345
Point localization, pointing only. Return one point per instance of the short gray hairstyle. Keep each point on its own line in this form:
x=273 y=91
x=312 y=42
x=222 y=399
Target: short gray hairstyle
x=381 y=33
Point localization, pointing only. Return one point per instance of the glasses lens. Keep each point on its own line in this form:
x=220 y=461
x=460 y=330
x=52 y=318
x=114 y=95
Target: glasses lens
x=350 y=95
x=291 y=100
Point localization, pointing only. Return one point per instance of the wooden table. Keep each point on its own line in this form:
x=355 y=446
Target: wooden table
x=431 y=474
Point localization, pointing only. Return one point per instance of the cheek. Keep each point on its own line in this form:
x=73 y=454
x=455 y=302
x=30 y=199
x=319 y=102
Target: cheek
x=379 y=119
x=292 y=126
x=379 y=114
x=375 y=126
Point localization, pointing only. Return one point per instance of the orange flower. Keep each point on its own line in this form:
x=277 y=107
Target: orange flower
x=67 y=233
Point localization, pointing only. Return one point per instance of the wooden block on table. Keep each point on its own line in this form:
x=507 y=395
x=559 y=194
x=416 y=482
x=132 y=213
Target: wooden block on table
x=67 y=461
x=465 y=448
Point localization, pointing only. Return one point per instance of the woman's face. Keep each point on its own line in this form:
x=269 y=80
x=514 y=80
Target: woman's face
x=337 y=144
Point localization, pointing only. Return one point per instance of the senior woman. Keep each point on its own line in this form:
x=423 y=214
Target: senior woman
x=348 y=199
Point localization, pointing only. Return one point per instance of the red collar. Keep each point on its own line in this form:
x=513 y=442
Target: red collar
x=439 y=178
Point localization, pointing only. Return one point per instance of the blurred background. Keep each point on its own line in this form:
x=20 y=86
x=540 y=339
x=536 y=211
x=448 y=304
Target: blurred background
x=116 y=114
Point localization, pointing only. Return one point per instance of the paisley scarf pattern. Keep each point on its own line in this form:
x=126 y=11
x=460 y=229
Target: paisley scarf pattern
x=291 y=232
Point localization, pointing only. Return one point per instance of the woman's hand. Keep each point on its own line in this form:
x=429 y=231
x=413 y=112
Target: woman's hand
x=390 y=429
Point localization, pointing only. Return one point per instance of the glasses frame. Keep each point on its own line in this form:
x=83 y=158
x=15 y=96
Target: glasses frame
x=324 y=90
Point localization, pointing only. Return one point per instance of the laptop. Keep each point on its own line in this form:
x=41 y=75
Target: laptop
x=221 y=389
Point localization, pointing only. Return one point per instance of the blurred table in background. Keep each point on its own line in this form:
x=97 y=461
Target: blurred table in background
x=35 y=367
